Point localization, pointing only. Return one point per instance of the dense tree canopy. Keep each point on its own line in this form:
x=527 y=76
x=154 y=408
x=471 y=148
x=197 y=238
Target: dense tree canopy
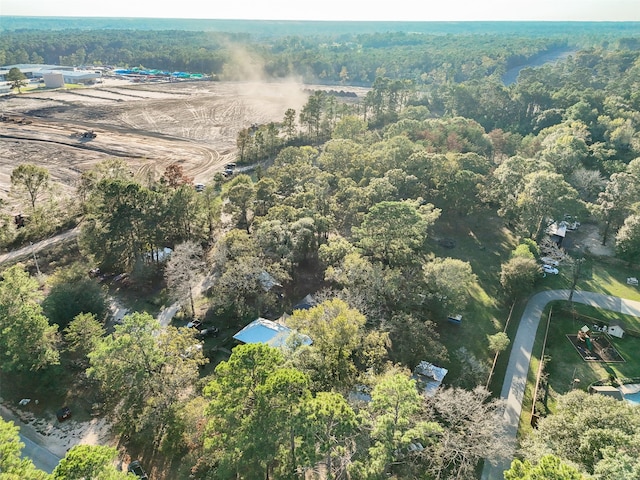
x=73 y=293
x=341 y=345
x=144 y=373
x=27 y=342
x=548 y=468
x=580 y=429
x=89 y=461
x=518 y=276
x=628 y=239
x=395 y=232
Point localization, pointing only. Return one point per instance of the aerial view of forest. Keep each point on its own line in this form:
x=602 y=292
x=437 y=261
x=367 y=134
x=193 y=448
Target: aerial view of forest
x=319 y=250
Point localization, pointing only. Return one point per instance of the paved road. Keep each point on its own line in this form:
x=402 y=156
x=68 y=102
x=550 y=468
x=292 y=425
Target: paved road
x=42 y=458
x=39 y=455
x=515 y=379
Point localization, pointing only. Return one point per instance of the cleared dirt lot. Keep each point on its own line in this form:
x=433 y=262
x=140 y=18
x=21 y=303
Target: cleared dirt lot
x=149 y=125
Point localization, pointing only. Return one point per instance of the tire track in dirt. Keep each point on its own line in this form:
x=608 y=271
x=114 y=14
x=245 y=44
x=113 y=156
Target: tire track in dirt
x=82 y=146
x=192 y=123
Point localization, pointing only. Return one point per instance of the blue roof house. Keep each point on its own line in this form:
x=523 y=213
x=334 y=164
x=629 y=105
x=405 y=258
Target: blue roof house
x=266 y=331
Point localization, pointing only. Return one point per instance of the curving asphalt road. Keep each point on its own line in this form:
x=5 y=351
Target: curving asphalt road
x=515 y=379
x=42 y=458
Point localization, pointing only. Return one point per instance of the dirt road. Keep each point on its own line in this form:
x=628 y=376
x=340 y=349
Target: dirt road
x=28 y=251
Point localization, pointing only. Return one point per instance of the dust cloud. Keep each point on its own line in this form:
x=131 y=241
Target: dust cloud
x=248 y=68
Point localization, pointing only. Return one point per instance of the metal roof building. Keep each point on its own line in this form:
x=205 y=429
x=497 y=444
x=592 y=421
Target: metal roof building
x=70 y=74
x=266 y=331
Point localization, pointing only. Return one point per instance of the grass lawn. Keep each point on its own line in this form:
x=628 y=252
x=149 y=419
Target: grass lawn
x=527 y=401
x=608 y=276
x=484 y=242
x=567 y=359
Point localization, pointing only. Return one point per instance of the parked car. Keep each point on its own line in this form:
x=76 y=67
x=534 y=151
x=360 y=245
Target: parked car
x=570 y=222
x=63 y=414
x=194 y=324
x=550 y=269
x=549 y=261
x=208 y=332
x=199 y=187
x=137 y=470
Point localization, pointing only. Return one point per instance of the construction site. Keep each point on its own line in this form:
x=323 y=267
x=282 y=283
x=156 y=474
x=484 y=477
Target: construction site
x=150 y=126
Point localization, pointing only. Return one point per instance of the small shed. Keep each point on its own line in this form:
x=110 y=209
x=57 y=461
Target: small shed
x=607 y=390
x=557 y=232
x=306 y=303
x=615 y=330
x=429 y=377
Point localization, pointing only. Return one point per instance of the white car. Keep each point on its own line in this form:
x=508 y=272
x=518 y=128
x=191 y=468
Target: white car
x=549 y=269
x=549 y=261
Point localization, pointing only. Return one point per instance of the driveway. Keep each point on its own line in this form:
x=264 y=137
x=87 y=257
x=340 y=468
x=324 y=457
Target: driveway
x=515 y=379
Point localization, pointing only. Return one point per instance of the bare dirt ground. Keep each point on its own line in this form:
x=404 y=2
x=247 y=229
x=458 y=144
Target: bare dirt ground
x=149 y=125
x=46 y=431
x=588 y=236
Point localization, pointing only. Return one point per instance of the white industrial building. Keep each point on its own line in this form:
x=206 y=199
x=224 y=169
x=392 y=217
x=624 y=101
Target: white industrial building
x=53 y=80
x=69 y=74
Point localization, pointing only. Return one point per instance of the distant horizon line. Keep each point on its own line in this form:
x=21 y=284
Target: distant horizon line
x=308 y=20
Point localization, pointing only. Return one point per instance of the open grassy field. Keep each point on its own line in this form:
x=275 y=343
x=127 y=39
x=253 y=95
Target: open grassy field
x=484 y=242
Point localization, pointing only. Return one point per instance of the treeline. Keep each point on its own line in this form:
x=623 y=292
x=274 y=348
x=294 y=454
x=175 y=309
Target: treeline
x=584 y=87
x=591 y=91
x=168 y=50
x=335 y=59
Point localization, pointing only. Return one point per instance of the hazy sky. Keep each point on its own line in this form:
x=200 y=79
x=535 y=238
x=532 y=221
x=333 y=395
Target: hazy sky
x=425 y=10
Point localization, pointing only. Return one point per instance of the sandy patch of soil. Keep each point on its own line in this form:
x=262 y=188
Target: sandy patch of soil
x=59 y=437
x=589 y=238
x=149 y=125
